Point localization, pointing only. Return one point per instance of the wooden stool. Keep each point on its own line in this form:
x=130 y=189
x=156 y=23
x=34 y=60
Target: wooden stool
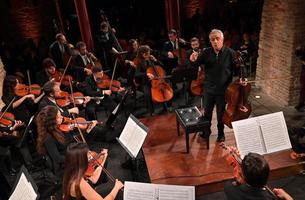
x=192 y=121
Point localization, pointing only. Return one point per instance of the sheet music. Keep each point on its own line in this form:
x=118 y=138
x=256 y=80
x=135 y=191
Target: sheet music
x=23 y=190
x=262 y=134
x=275 y=132
x=147 y=191
x=248 y=137
x=132 y=137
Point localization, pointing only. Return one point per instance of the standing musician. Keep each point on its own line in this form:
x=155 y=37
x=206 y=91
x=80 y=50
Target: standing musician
x=169 y=49
x=49 y=70
x=219 y=62
x=81 y=62
x=92 y=89
x=58 y=49
x=50 y=140
x=133 y=47
x=75 y=184
x=143 y=61
x=106 y=44
x=254 y=176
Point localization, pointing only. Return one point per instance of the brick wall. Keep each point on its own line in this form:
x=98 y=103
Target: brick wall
x=282 y=29
x=21 y=20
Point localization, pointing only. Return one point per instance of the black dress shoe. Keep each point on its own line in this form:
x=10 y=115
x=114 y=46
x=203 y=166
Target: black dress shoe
x=220 y=138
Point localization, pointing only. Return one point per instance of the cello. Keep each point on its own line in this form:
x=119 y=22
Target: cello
x=236 y=96
x=161 y=91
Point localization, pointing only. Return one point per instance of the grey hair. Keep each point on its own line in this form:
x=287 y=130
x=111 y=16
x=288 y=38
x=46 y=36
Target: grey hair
x=216 y=31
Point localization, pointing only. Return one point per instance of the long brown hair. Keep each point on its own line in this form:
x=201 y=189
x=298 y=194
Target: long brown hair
x=9 y=84
x=76 y=163
x=47 y=124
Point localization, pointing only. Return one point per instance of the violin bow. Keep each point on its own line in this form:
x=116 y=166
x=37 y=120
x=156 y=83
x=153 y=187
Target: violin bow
x=104 y=169
x=73 y=116
x=6 y=109
x=29 y=79
x=63 y=74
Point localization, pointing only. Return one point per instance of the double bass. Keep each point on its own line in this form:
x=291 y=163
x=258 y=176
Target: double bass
x=238 y=106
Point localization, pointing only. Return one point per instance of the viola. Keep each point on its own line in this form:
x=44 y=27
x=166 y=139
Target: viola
x=161 y=91
x=104 y=82
x=66 y=99
x=7 y=119
x=234 y=160
x=236 y=96
x=22 y=89
x=95 y=160
x=70 y=124
x=58 y=76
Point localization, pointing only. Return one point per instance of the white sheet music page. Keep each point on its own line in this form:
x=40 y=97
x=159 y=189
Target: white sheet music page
x=132 y=136
x=275 y=132
x=147 y=191
x=23 y=190
x=248 y=137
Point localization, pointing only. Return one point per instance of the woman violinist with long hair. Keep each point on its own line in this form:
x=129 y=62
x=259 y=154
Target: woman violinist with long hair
x=75 y=185
x=22 y=107
x=142 y=78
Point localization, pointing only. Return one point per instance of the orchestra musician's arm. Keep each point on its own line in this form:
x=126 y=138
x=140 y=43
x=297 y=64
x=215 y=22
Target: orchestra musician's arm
x=89 y=193
x=282 y=194
x=97 y=172
x=52 y=149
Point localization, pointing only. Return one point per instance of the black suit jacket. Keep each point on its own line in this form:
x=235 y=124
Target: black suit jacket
x=78 y=68
x=57 y=55
x=91 y=89
x=246 y=192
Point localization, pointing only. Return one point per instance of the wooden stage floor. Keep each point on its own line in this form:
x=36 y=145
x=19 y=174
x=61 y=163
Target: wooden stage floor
x=207 y=170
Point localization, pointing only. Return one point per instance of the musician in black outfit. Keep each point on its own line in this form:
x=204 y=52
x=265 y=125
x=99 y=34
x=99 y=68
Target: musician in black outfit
x=143 y=61
x=9 y=138
x=173 y=44
x=255 y=172
x=58 y=49
x=49 y=69
x=105 y=41
x=91 y=89
x=80 y=62
x=219 y=63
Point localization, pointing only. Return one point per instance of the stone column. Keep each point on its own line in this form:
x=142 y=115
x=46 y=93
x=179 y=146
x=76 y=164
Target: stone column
x=282 y=30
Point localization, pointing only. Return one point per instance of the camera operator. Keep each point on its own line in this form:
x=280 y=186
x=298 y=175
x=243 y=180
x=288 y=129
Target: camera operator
x=300 y=52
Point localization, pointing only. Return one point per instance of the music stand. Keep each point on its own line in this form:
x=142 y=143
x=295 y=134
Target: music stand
x=184 y=75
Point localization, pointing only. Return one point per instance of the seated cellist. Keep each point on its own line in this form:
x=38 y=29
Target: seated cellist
x=142 y=62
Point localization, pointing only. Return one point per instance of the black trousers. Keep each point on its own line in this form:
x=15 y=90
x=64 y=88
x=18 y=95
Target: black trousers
x=210 y=100
x=92 y=108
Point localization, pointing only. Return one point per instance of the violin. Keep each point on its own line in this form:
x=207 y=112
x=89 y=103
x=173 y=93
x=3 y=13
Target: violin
x=234 y=160
x=7 y=119
x=104 y=82
x=58 y=76
x=22 y=89
x=161 y=91
x=66 y=99
x=95 y=160
x=70 y=124
x=236 y=96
